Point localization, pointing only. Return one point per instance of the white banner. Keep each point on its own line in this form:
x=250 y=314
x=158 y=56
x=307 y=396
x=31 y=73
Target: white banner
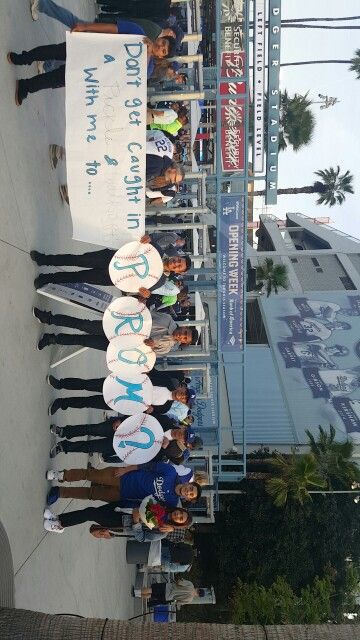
x=106 y=79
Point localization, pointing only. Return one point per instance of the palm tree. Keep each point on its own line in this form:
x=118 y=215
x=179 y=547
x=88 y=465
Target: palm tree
x=354 y=63
x=297 y=121
x=29 y=625
x=334 y=459
x=293 y=478
x=331 y=189
x=272 y=276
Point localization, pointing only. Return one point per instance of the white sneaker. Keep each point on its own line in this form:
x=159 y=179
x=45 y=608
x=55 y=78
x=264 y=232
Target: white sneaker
x=54 y=474
x=49 y=515
x=40 y=67
x=34 y=9
x=54 y=526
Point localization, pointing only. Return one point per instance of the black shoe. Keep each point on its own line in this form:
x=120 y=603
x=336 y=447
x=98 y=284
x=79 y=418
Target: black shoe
x=55 y=406
x=56 y=431
x=37 y=257
x=42 y=316
x=20 y=92
x=16 y=58
x=45 y=341
x=40 y=281
x=52 y=381
x=55 y=450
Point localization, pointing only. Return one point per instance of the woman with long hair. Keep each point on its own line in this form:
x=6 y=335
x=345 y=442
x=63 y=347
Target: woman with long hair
x=118 y=516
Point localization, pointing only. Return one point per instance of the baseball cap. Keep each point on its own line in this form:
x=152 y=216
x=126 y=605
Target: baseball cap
x=191 y=394
x=190 y=435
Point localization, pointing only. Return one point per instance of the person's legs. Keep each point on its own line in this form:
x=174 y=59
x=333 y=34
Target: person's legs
x=89 y=260
x=100 y=445
x=105 y=516
x=52 y=80
x=91 y=276
x=78 y=402
x=84 y=384
x=93 y=327
x=105 y=494
x=93 y=342
x=51 y=9
x=100 y=429
x=45 y=52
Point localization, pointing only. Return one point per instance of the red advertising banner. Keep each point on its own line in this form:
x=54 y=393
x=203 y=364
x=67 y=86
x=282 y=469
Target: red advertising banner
x=233 y=134
x=233 y=112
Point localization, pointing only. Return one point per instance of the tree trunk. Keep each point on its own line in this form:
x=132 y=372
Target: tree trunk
x=289 y=21
x=289 y=191
x=28 y=625
x=296 y=64
x=319 y=26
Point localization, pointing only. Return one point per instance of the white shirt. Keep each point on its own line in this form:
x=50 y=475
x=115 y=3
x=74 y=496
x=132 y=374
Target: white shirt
x=157 y=194
x=158 y=144
x=161 y=395
x=169 y=116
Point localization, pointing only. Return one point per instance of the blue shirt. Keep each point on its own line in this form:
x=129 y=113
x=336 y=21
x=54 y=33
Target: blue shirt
x=159 y=481
x=126 y=26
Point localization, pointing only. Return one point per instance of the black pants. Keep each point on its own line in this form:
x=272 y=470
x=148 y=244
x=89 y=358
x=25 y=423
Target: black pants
x=96 y=339
x=100 y=445
x=105 y=516
x=101 y=429
x=80 y=402
x=50 y=80
x=92 y=259
x=138 y=8
x=89 y=384
x=96 y=263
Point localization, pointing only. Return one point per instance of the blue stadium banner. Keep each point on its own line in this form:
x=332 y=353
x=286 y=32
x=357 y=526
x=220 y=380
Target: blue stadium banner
x=232 y=229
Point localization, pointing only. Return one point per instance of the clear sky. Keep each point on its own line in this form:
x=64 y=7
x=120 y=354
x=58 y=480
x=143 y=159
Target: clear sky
x=337 y=133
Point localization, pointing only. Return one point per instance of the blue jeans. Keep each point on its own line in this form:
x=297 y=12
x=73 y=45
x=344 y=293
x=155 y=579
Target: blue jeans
x=51 y=9
x=64 y=16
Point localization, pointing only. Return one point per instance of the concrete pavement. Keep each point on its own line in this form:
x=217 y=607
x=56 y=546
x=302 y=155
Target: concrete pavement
x=72 y=572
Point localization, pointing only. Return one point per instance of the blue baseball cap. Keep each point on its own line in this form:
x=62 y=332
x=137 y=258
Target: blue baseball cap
x=191 y=394
x=190 y=435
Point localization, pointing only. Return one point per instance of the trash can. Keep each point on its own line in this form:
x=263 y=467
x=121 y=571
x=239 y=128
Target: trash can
x=137 y=552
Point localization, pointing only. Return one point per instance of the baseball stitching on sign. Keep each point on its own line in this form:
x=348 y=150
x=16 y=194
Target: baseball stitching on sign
x=123 y=458
x=135 y=430
x=128 y=314
x=133 y=257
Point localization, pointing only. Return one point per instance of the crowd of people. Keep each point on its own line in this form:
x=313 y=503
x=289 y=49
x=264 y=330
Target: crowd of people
x=168 y=477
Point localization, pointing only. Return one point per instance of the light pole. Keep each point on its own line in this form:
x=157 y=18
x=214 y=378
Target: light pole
x=326 y=101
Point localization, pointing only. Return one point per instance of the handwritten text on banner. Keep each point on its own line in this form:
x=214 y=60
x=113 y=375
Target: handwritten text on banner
x=106 y=136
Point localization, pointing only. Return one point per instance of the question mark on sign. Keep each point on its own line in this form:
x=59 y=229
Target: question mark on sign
x=139 y=445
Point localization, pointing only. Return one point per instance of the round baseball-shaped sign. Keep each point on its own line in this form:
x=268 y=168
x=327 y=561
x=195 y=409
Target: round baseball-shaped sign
x=128 y=395
x=138 y=439
x=129 y=355
x=126 y=316
x=135 y=265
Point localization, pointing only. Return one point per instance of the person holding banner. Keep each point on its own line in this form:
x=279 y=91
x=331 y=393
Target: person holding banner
x=165 y=334
x=175 y=443
x=162 y=397
x=97 y=263
x=112 y=484
x=160 y=47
